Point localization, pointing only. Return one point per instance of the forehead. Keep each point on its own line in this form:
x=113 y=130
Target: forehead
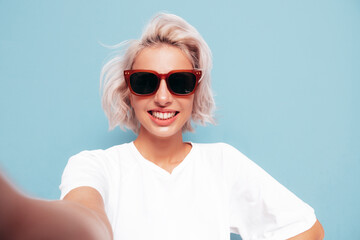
x=163 y=59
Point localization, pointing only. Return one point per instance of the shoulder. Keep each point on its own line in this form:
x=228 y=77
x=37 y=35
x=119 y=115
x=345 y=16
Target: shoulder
x=110 y=158
x=102 y=154
x=234 y=162
x=94 y=168
x=222 y=156
x=220 y=150
x=219 y=146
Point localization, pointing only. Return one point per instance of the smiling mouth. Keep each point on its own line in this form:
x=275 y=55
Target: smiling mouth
x=163 y=115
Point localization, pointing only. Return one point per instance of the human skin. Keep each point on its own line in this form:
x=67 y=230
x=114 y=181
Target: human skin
x=25 y=218
x=81 y=214
x=160 y=141
x=164 y=145
x=316 y=232
x=32 y=219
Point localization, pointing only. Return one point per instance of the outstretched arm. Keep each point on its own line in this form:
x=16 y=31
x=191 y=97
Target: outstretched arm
x=22 y=217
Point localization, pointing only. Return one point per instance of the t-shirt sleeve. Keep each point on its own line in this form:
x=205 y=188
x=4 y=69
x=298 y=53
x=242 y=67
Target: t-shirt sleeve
x=84 y=169
x=260 y=207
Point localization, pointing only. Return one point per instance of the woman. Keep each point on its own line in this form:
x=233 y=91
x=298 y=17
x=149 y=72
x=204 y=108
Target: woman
x=158 y=186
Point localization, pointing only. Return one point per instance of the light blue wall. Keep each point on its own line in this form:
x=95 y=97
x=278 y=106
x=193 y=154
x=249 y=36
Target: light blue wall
x=286 y=77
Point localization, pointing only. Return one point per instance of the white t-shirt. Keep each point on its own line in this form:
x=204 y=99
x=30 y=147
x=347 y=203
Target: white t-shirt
x=215 y=190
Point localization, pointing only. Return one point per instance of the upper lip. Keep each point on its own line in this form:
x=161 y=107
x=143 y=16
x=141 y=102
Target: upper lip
x=162 y=110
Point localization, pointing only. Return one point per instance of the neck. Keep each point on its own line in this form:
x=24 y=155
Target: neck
x=162 y=150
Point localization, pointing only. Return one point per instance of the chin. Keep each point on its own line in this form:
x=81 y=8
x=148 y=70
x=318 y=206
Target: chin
x=167 y=133
x=164 y=132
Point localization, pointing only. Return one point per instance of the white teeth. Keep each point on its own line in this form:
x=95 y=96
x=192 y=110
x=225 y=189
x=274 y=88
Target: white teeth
x=163 y=116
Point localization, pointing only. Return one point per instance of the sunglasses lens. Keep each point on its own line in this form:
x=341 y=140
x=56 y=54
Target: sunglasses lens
x=182 y=83
x=143 y=82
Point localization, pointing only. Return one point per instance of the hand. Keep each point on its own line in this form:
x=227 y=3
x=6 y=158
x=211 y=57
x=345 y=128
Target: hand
x=24 y=218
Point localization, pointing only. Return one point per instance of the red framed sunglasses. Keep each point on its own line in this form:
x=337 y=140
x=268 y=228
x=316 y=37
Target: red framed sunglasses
x=147 y=82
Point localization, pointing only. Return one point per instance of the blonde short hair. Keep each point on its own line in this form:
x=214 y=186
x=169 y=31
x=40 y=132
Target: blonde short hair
x=163 y=29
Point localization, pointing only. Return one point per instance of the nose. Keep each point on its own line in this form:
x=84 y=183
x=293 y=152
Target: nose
x=163 y=97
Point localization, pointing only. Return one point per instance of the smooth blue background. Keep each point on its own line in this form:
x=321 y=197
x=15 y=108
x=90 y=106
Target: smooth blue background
x=286 y=77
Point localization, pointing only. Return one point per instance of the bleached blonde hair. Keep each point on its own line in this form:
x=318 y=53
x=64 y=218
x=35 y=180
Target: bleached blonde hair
x=168 y=29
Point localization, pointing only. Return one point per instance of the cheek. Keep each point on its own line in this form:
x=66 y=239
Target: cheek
x=135 y=101
x=189 y=104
